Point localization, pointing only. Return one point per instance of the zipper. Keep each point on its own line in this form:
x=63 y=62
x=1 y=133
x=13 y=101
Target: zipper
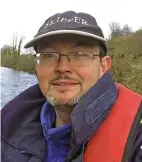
x=83 y=149
x=32 y=153
x=69 y=159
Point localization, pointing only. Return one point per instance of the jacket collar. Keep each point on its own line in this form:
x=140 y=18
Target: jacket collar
x=93 y=108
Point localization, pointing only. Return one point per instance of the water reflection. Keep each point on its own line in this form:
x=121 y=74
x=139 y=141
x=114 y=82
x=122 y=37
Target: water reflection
x=13 y=82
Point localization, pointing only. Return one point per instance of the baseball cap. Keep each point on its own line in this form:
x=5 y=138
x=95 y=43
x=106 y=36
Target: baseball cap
x=69 y=22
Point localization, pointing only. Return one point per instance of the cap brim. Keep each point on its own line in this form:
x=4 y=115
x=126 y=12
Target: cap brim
x=59 y=32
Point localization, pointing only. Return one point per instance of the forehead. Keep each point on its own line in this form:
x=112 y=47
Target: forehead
x=72 y=40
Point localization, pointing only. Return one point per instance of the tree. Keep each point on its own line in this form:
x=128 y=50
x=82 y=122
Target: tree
x=126 y=30
x=117 y=31
x=6 y=49
x=17 y=44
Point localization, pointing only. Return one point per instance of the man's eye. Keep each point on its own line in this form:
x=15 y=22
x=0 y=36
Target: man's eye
x=80 y=54
x=48 y=55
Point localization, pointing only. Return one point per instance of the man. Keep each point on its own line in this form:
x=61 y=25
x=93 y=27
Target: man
x=77 y=112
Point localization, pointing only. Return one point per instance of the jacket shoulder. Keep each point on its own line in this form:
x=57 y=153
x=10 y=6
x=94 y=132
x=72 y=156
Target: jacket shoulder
x=13 y=112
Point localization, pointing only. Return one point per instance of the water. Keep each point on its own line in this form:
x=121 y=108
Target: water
x=14 y=82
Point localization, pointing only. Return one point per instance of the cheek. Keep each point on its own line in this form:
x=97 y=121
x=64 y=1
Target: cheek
x=44 y=75
x=89 y=74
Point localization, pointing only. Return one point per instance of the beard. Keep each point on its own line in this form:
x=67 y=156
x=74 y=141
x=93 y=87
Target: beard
x=64 y=106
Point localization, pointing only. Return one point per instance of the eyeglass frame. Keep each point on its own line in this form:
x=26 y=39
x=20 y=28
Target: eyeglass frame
x=59 y=55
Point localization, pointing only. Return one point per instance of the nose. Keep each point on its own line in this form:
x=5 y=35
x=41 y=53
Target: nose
x=63 y=65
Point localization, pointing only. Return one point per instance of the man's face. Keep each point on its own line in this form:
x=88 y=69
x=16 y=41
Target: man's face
x=64 y=83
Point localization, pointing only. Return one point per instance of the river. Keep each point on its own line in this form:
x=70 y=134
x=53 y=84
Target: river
x=14 y=82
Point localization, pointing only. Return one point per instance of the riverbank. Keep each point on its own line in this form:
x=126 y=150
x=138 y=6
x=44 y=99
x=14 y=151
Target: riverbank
x=22 y=63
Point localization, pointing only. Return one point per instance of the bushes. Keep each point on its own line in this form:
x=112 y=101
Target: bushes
x=127 y=74
x=126 y=52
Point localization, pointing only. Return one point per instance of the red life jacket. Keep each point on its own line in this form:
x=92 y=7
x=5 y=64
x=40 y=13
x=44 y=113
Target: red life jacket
x=108 y=144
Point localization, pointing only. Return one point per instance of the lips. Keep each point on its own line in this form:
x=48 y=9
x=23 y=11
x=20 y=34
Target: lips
x=63 y=86
x=65 y=82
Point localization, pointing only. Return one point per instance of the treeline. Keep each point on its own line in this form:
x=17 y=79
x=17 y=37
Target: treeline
x=13 y=56
x=124 y=46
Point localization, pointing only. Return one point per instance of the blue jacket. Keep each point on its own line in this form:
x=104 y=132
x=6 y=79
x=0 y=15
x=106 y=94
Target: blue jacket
x=22 y=133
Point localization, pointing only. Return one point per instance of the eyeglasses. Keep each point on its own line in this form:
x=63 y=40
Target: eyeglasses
x=76 y=58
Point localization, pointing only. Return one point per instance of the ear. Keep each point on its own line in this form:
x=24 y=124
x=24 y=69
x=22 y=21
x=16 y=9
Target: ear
x=105 y=65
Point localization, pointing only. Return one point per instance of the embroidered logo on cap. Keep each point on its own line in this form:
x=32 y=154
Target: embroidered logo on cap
x=78 y=20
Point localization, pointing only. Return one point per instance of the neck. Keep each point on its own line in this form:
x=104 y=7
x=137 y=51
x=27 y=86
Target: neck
x=62 y=116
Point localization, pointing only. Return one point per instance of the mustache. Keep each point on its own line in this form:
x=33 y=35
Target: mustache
x=65 y=77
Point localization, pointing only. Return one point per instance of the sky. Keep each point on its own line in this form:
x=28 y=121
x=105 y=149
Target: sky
x=24 y=17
